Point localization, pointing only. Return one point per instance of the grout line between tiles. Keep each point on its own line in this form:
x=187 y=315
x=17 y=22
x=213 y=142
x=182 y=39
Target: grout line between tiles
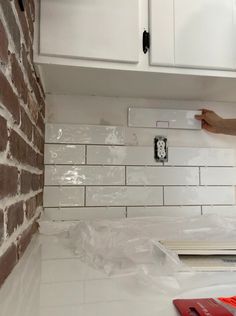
x=85 y=196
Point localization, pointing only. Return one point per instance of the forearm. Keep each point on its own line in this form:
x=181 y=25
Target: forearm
x=229 y=127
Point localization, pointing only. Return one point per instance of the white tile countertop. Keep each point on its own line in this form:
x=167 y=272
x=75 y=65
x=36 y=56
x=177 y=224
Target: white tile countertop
x=50 y=280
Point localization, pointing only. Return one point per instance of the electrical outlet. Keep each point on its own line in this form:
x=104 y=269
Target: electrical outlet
x=160 y=149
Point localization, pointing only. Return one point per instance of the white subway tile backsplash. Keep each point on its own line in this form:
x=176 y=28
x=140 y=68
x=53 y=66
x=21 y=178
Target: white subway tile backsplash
x=84 y=175
x=164 y=211
x=64 y=154
x=223 y=210
x=63 y=196
x=218 y=176
x=199 y=195
x=84 y=213
x=84 y=134
x=121 y=155
x=162 y=118
x=98 y=172
x=124 y=196
x=184 y=156
x=162 y=176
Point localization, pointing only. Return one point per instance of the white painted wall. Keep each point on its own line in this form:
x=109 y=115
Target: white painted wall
x=95 y=110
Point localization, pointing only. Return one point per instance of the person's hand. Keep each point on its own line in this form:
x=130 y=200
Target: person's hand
x=211 y=121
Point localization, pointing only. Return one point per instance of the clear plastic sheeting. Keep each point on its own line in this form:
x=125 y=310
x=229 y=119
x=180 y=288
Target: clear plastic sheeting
x=131 y=246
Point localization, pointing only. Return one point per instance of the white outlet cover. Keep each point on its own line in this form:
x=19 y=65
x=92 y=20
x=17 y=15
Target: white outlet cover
x=160 y=118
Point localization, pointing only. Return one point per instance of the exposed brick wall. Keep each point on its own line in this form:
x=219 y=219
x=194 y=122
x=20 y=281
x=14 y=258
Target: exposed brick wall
x=22 y=110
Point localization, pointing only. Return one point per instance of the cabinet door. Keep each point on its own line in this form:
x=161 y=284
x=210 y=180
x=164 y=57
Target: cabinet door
x=91 y=29
x=205 y=34
x=161 y=14
x=193 y=33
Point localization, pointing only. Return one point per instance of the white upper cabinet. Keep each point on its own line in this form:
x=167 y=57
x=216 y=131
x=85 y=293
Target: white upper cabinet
x=193 y=33
x=90 y=29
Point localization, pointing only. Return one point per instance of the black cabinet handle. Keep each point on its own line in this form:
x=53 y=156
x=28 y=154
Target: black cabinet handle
x=146 y=41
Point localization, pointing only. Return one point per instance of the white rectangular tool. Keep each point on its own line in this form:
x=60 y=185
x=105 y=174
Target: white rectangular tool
x=161 y=118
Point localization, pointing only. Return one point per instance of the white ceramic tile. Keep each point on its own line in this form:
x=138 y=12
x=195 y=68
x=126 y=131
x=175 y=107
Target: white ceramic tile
x=84 y=175
x=184 y=156
x=162 y=176
x=164 y=211
x=106 y=290
x=64 y=270
x=61 y=294
x=121 y=155
x=84 y=213
x=63 y=196
x=53 y=248
x=64 y=154
x=136 y=306
x=122 y=196
x=162 y=118
x=224 y=210
x=199 y=195
x=84 y=134
x=117 y=289
x=218 y=176
x=63 y=311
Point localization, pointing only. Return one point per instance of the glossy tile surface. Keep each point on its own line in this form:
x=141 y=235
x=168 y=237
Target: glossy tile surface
x=84 y=175
x=64 y=154
x=199 y=195
x=164 y=211
x=163 y=118
x=226 y=210
x=121 y=155
x=162 y=176
x=188 y=156
x=63 y=196
x=122 y=196
x=84 y=213
x=218 y=176
x=84 y=134
x=51 y=281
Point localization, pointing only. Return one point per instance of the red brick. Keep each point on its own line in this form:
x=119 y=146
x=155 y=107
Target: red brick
x=12 y=24
x=9 y=99
x=32 y=8
x=37 y=91
x=24 y=239
x=8 y=181
x=25 y=182
x=38 y=140
x=31 y=206
x=40 y=161
x=40 y=123
x=21 y=151
x=26 y=124
x=4 y=45
x=23 y=22
x=37 y=182
x=39 y=199
x=15 y=217
x=26 y=64
x=7 y=263
x=3 y=137
x=18 y=78
x=30 y=18
x=1 y=226
x=33 y=107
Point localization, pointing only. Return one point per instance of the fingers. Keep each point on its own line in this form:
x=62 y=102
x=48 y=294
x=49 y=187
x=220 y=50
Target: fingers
x=200 y=117
x=203 y=116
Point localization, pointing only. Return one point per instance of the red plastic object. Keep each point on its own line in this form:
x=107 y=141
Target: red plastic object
x=200 y=307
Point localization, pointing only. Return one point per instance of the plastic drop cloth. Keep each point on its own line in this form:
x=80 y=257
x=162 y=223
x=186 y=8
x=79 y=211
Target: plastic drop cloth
x=131 y=246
